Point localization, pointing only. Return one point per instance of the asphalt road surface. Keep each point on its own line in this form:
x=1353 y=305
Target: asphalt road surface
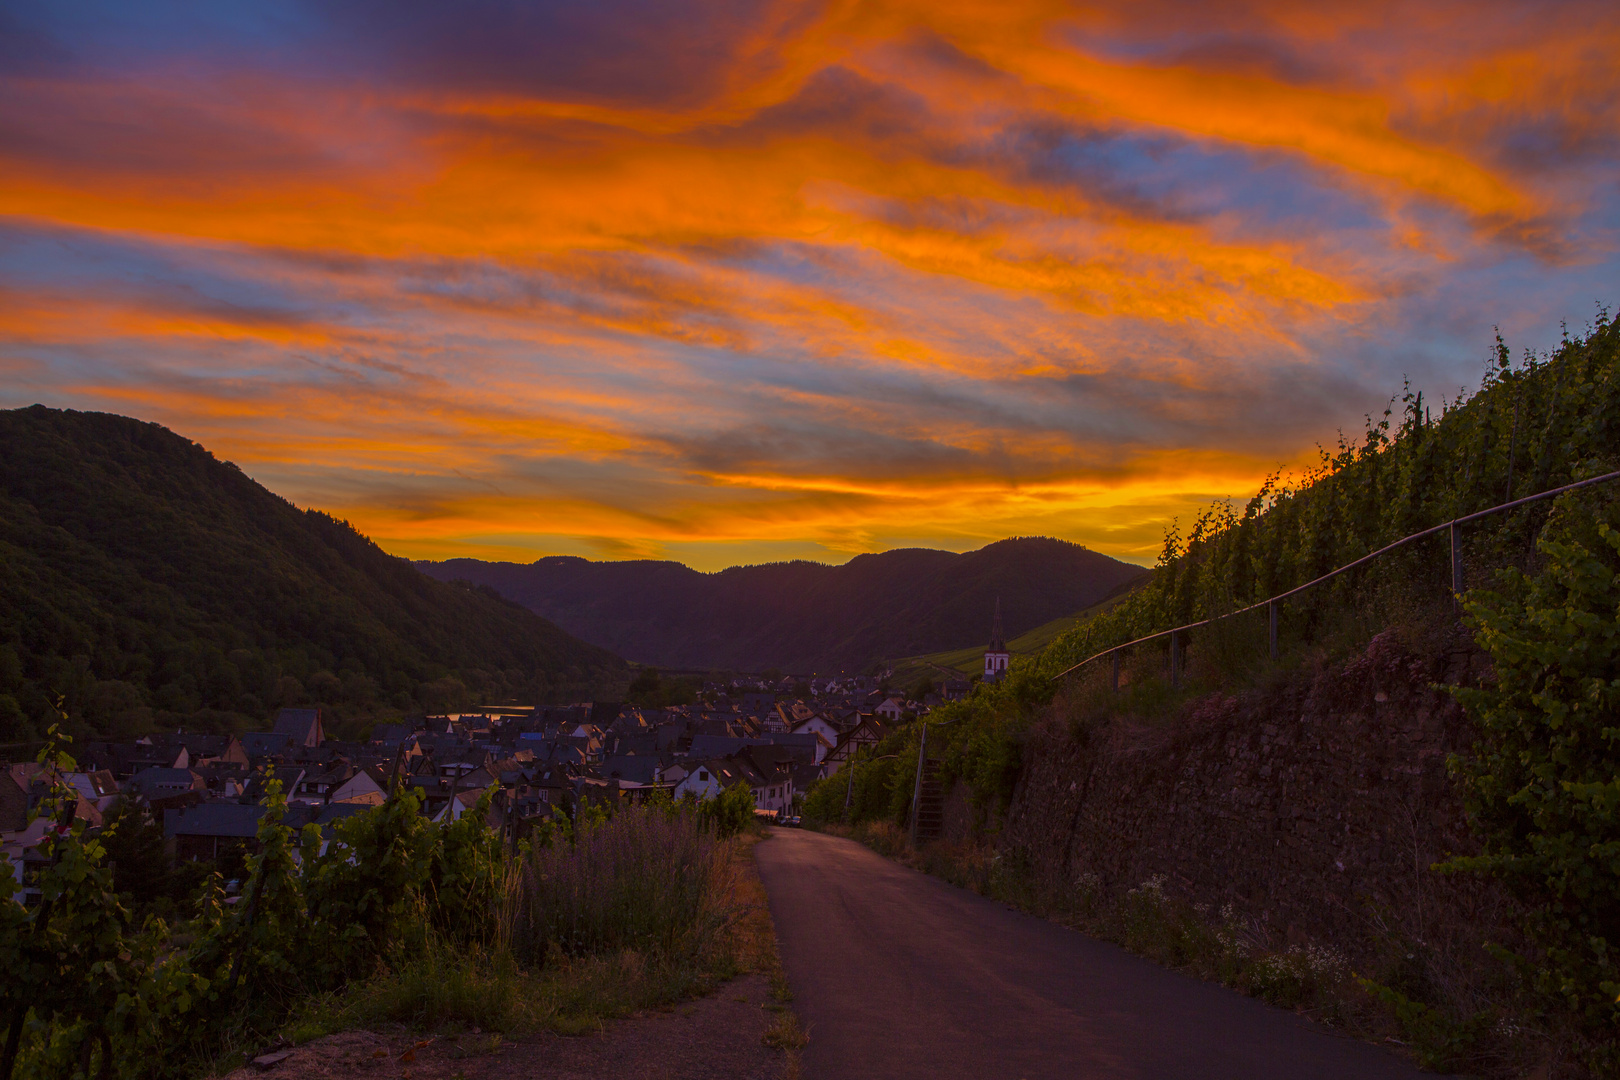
x=899 y=975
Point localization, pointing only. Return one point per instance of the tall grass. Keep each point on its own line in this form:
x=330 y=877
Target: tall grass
x=651 y=880
x=640 y=910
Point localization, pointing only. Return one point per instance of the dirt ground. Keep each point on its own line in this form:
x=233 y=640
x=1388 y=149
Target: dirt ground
x=714 y=1038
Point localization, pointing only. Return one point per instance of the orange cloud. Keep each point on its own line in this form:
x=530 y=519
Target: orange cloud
x=872 y=271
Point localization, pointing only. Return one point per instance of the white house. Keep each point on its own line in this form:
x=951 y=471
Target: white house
x=361 y=787
x=705 y=780
x=773 y=794
x=818 y=725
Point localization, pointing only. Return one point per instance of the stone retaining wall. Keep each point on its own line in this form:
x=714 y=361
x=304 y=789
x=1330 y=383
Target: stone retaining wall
x=1315 y=809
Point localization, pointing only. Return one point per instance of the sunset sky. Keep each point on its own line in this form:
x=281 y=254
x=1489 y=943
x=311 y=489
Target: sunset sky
x=732 y=282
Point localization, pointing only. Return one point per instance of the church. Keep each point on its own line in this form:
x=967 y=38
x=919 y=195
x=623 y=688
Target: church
x=996 y=656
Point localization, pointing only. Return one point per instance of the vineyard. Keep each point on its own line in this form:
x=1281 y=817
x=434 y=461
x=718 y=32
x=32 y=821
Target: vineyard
x=386 y=906
x=1541 y=598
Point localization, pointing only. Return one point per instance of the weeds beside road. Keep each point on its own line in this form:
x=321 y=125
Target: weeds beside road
x=718 y=994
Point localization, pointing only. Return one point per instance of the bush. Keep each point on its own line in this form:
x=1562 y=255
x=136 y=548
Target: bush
x=82 y=986
x=731 y=813
x=1543 y=781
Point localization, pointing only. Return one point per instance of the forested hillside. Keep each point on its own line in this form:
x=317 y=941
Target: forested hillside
x=146 y=583
x=804 y=616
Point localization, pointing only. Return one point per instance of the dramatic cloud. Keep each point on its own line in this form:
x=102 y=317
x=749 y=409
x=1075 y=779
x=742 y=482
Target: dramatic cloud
x=733 y=281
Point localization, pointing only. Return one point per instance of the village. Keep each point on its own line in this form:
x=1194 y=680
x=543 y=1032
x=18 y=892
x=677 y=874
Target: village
x=544 y=763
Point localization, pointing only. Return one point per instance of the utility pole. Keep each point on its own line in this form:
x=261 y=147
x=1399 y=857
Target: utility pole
x=849 y=792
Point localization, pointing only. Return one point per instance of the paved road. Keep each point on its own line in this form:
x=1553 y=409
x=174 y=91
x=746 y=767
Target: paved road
x=899 y=975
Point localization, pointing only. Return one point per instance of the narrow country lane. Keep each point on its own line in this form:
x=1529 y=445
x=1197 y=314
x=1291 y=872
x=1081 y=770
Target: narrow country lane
x=898 y=975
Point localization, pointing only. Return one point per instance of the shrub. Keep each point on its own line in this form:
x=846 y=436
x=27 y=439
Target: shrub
x=1300 y=975
x=731 y=813
x=1543 y=781
x=81 y=987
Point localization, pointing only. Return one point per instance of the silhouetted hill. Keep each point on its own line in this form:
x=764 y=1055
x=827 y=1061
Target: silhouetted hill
x=804 y=616
x=147 y=582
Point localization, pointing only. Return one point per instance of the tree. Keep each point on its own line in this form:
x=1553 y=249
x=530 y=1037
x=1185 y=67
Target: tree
x=134 y=846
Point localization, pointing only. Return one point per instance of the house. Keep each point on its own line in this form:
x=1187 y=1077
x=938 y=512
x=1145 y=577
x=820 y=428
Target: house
x=718 y=746
x=342 y=783
x=124 y=760
x=203 y=832
x=263 y=744
x=98 y=788
x=869 y=732
x=806 y=777
x=157 y=783
x=393 y=734
x=371 y=778
x=458 y=804
x=644 y=769
x=890 y=708
x=758 y=704
x=19 y=849
x=316 y=786
x=302 y=726
x=16 y=799
x=770 y=782
x=707 y=779
x=204 y=749
x=819 y=725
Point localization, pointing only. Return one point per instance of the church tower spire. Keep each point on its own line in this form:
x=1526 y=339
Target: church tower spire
x=996 y=656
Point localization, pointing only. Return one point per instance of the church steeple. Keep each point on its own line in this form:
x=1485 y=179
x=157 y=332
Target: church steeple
x=996 y=656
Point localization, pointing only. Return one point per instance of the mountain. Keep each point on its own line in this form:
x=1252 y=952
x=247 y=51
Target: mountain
x=803 y=616
x=147 y=583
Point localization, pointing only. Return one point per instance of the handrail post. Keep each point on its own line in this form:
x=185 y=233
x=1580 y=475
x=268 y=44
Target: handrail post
x=1113 y=669
x=1456 y=565
x=1175 y=659
x=916 y=791
x=1272 y=609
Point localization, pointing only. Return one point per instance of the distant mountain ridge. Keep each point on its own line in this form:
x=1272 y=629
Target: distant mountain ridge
x=148 y=583
x=804 y=616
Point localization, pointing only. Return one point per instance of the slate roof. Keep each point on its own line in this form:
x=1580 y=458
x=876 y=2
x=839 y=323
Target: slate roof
x=302 y=725
x=721 y=745
x=265 y=743
x=636 y=768
x=156 y=782
x=238 y=820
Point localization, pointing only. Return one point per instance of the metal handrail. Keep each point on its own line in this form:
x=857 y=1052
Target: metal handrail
x=1456 y=572
x=916 y=791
